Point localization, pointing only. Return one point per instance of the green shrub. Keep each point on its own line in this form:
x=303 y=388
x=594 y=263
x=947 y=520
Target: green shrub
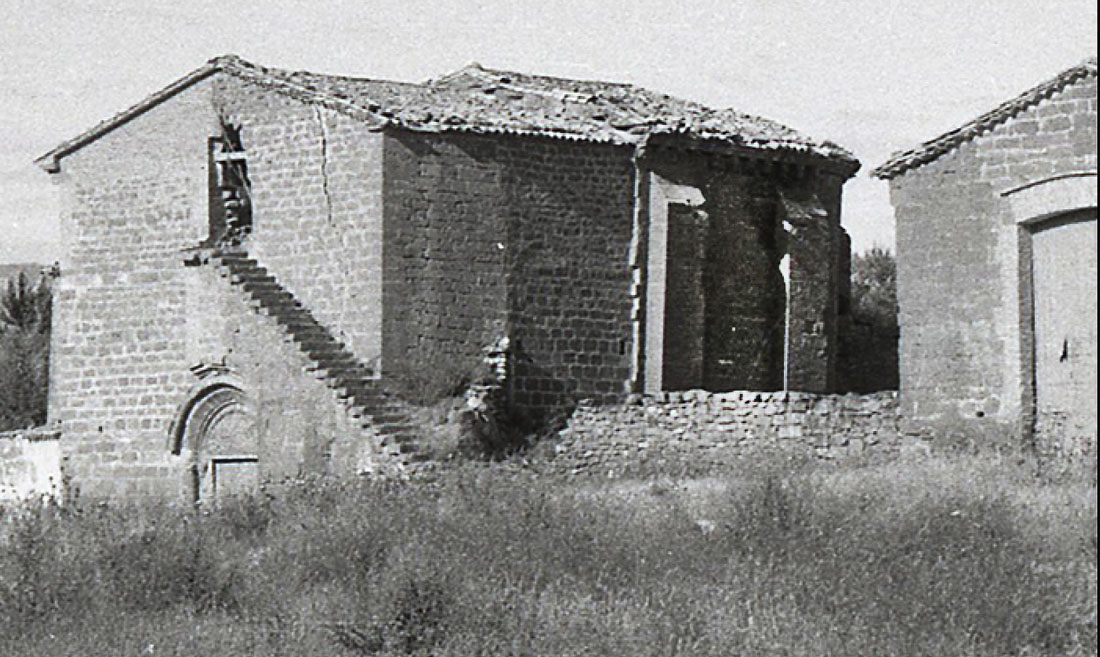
x=25 y=311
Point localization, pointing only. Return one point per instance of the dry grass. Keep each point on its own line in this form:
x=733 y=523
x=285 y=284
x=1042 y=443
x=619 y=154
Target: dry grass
x=937 y=557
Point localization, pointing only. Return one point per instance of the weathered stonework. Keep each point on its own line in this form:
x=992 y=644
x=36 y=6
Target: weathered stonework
x=965 y=263
x=119 y=366
x=394 y=232
x=317 y=202
x=719 y=430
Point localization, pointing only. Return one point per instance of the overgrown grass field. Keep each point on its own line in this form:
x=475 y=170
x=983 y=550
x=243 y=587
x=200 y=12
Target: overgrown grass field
x=945 y=556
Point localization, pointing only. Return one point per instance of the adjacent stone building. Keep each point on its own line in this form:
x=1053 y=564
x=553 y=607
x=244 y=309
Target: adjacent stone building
x=996 y=248
x=257 y=258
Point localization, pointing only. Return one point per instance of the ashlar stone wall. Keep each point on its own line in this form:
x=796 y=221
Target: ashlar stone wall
x=316 y=205
x=965 y=339
x=133 y=199
x=445 y=246
x=571 y=212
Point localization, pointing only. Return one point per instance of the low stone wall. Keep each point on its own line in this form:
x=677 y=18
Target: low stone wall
x=30 y=463
x=708 y=430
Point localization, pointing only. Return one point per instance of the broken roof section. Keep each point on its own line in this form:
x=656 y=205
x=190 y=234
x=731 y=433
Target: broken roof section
x=480 y=100
x=931 y=150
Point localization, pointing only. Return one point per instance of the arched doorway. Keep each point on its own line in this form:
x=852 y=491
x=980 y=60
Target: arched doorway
x=216 y=433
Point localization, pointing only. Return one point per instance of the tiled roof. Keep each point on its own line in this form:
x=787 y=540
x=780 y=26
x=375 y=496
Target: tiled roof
x=901 y=162
x=480 y=100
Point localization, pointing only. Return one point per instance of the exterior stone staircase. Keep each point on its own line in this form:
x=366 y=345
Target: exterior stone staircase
x=358 y=388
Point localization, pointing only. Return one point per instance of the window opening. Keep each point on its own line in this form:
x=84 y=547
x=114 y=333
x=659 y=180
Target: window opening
x=231 y=193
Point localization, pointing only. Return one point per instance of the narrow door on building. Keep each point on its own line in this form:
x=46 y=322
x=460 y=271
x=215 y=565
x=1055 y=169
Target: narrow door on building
x=685 y=303
x=1064 y=300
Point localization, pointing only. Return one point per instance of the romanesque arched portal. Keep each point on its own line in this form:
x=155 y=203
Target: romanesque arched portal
x=216 y=434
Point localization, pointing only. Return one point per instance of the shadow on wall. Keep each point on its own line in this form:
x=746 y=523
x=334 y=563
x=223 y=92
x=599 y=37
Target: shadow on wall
x=539 y=400
x=868 y=356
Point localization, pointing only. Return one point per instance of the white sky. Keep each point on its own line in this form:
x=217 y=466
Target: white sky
x=875 y=76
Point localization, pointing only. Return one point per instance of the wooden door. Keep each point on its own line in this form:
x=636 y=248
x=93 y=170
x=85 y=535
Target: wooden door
x=1064 y=297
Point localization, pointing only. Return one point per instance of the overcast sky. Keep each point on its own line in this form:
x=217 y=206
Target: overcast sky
x=875 y=76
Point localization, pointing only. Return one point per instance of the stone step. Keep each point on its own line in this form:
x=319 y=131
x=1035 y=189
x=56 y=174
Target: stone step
x=401 y=448
x=330 y=360
x=263 y=287
x=321 y=346
x=251 y=276
x=402 y=431
x=382 y=418
x=342 y=367
x=318 y=342
x=355 y=394
x=282 y=300
x=295 y=321
x=272 y=309
x=345 y=365
x=237 y=265
x=331 y=375
x=365 y=392
x=310 y=331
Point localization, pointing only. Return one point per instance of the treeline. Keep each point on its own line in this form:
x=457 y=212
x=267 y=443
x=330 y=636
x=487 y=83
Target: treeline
x=25 y=307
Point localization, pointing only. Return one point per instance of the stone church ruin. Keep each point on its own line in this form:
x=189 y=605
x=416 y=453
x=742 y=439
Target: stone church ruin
x=255 y=256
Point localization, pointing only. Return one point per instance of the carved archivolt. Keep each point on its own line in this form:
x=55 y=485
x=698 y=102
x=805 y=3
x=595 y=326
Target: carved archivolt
x=215 y=426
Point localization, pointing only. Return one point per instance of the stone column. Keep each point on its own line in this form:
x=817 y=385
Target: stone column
x=810 y=354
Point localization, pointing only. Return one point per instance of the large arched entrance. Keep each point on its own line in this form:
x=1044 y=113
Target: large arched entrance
x=216 y=433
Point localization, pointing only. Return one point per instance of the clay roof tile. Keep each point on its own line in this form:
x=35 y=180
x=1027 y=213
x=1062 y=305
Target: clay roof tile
x=932 y=149
x=482 y=100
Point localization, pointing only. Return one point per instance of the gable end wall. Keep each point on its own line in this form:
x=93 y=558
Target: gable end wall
x=134 y=198
x=959 y=267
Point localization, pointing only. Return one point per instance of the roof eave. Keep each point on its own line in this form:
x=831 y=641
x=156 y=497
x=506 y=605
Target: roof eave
x=839 y=161
x=933 y=149
x=51 y=161
x=230 y=64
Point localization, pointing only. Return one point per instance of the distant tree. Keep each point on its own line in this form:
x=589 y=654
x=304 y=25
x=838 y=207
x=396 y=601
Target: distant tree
x=875 y=288
x=25 y=318
x=25 y=306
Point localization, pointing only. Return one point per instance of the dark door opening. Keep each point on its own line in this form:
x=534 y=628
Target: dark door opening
x=685 y=302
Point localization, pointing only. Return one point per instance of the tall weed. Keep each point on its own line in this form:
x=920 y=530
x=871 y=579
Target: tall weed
x=945 y=557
